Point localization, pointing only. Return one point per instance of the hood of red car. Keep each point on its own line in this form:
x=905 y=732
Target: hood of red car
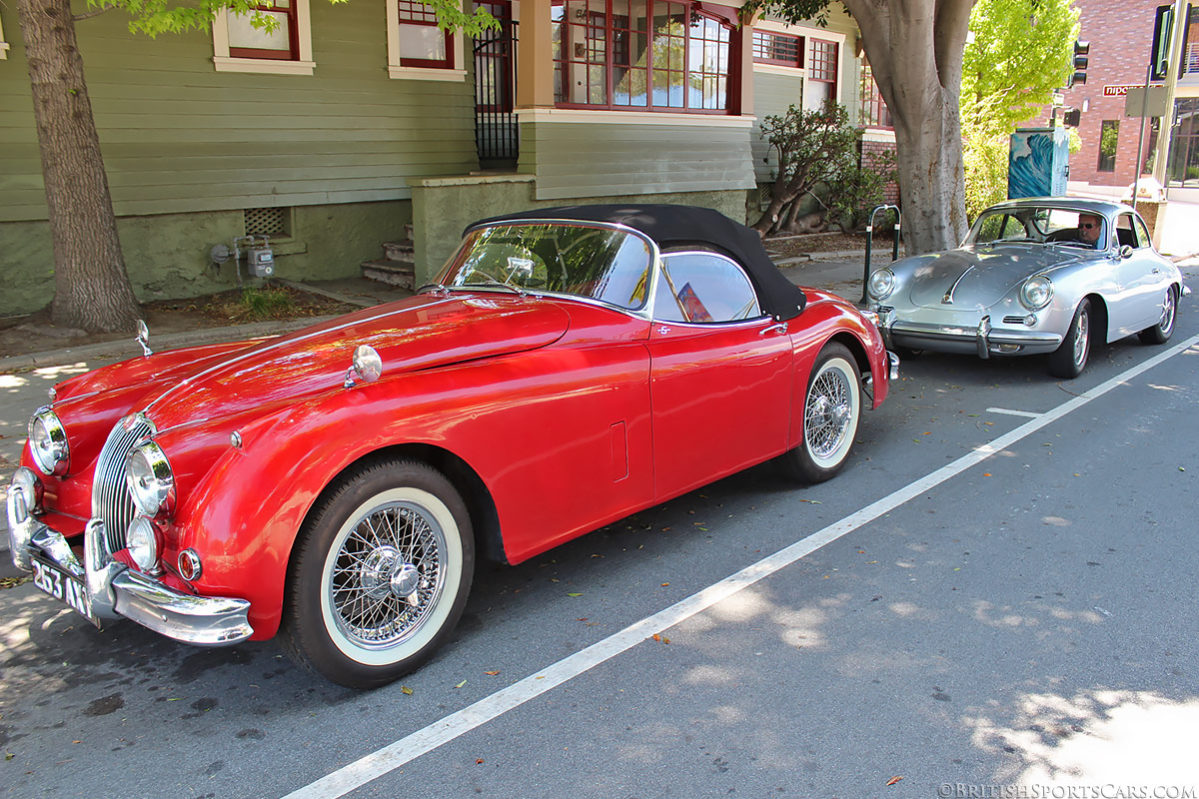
x=422 y=332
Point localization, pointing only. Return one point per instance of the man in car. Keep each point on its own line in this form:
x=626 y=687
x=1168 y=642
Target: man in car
x=1089 y=227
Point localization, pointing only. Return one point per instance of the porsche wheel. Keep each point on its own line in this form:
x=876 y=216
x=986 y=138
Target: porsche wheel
x=1160 y=333
x=1068 y=360
x=832 y=409
x=381 y=576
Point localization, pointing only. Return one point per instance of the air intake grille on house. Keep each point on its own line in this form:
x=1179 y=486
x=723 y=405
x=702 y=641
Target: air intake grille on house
x=267 y=221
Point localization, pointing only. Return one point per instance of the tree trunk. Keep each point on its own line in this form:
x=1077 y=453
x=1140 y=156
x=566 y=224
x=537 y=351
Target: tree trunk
x=915 y=50
x=92 y=289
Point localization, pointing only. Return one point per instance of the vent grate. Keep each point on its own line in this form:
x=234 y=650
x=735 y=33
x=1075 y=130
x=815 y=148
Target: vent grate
x=267 y=221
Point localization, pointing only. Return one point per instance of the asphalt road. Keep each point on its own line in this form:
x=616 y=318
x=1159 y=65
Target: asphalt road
x=998 y=591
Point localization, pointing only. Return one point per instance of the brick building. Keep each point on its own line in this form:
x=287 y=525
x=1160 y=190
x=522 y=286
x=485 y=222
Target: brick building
x=1120 y=33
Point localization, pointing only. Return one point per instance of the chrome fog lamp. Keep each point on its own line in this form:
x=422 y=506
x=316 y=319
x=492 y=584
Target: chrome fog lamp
x=1036 y=292
x=882 y=283
x=141 y=539
x=150 y=480
x=48 y=443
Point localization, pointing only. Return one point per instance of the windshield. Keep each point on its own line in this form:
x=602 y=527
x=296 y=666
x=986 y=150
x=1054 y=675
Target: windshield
x=599 y=263
x=1039 y=225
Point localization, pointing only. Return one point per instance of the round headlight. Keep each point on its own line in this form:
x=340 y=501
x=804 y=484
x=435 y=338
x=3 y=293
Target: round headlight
x=141 y=539
x=150 y=481
x=48 y=443
x=882 y=283
x=1036 y=292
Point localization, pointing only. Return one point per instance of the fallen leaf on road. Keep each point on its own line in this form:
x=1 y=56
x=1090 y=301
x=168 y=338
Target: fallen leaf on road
x=575 y=594
x=894 y=780
x=491 y=673
x=478 y=761
x=405 y=690
x=665 y=584
x=459 y=685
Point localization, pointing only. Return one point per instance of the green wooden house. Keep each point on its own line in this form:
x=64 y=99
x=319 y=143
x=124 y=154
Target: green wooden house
x=352 y=125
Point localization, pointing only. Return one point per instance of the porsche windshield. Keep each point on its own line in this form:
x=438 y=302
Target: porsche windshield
x=1027 y=224
x=600 y=263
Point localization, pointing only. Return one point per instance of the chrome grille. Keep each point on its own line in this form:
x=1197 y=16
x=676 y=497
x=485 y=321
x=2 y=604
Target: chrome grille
x=111 y=502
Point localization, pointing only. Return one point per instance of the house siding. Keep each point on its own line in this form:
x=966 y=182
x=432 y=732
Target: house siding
x=773 y=95
x=573 y=160
x=178 y=136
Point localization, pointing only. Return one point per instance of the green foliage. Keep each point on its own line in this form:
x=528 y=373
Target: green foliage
x=861 y=189
x=1021 y=51
x=814 y=148
x=263 y=304
x=153 y=17
x=793 y=11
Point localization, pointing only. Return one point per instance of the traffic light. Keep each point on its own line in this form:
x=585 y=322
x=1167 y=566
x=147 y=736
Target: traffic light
x=1159 y=54
x=1081 y=49
x=1071 y=118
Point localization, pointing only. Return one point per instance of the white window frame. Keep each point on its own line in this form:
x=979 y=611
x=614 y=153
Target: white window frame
x=4 y=46
x=397 y=72
x=268 y=66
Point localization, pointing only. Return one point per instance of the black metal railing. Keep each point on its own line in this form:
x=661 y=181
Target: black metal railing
x=496 y=134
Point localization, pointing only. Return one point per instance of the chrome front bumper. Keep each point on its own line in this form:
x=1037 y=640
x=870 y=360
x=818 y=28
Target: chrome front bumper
x=113 y=590
x=980 y=339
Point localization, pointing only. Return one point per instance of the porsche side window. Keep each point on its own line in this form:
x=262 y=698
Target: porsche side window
x=1125 y=234
x=703 y=287
x=1142 y=233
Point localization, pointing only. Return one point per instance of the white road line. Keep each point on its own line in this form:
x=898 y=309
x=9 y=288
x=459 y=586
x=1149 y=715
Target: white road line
x=444 y=730
x=1028 y=414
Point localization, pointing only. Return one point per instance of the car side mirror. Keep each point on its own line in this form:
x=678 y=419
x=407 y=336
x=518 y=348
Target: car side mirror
x=1126 y=251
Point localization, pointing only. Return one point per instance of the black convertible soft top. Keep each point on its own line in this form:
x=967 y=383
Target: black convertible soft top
x=685 y=225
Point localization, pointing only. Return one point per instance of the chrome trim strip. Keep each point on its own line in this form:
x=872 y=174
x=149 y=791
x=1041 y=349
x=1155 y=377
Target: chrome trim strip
x=948 y=298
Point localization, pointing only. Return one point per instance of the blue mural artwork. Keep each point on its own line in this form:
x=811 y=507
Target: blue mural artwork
x=1038 y=163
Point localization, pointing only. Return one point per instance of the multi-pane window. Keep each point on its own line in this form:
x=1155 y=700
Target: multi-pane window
x=422 y=43
x=820 y=87
x=874 y=111
x=247 y=41
x=778 y=48
x=1109 y=137
x=652 y=55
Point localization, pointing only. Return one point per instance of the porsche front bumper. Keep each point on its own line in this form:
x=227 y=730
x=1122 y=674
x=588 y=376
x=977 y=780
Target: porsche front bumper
x=975 y=336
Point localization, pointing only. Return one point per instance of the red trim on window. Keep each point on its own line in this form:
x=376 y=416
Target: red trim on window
x=414 y=12
x=596 y=49
x=782 y=49
x=293 y=38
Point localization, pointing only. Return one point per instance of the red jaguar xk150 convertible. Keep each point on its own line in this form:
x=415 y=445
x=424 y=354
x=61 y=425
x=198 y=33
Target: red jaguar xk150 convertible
x=569 y=367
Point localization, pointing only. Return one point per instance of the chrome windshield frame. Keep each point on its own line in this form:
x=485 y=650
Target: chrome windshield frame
x=644 y=312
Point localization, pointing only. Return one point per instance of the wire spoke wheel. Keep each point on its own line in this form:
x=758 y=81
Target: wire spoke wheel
x=381 y=575
x=831 y=411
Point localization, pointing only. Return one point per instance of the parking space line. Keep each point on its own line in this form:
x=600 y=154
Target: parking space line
x=448 y=728
x=1008 y=412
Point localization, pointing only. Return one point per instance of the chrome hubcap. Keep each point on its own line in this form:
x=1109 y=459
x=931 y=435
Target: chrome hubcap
x=388 y=574
x=1081 y=338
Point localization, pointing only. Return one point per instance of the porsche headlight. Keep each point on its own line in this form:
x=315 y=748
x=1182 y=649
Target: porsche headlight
x=150 y=480
x=882 y=283
x=48 y=443
x=1036 y=292
x=141 y=539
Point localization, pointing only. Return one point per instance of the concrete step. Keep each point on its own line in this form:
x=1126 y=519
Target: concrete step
x=399 y=251
x=393 y=273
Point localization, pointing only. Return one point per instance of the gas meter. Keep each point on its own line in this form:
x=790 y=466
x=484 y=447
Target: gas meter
x=260 y=258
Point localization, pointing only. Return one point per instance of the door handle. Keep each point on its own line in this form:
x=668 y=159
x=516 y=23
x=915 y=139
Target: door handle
x=779 y=326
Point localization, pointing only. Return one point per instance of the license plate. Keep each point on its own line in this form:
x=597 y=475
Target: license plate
x=64 y=587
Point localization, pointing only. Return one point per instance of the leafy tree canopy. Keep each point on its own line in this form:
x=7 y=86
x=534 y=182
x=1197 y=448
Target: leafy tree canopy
x=153 y=17
x=1020 y=51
